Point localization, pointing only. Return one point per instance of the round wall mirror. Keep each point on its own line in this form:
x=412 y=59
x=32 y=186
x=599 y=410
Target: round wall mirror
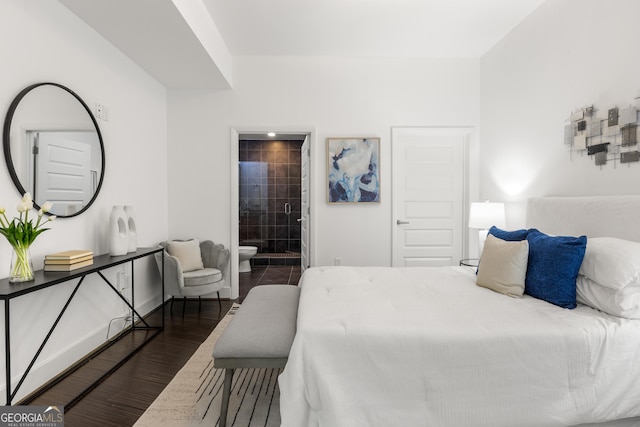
x=53 y=148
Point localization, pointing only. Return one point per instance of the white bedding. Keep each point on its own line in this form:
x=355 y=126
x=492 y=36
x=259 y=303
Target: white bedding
x=379 y=346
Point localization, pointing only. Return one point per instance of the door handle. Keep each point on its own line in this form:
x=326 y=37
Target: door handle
x=400 y=222
x=287 y=208
x=299 y=219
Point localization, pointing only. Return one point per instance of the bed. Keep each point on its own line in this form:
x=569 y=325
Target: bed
x=379 y=346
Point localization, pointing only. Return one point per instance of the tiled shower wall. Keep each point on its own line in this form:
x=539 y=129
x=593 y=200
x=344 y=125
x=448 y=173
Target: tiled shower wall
x=270 y=178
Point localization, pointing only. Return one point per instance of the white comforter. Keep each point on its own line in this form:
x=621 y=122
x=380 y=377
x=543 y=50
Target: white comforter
x=380 y=346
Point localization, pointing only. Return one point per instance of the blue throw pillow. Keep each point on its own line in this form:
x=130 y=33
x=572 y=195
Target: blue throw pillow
x=509 y=236
x=553 y=267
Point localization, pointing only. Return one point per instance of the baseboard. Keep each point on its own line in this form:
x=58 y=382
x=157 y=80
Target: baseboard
x=225 y=293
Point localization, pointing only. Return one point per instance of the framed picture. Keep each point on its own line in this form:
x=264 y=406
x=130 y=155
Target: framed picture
x=353 y=170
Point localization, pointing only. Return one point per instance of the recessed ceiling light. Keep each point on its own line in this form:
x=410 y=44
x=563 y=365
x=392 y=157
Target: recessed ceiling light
x=271 y=134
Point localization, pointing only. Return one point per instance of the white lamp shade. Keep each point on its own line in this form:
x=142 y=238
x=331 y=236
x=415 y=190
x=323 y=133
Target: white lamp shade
x=483 y=215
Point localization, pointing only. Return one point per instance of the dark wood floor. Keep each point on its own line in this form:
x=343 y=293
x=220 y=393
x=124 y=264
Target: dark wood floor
x=122 y=398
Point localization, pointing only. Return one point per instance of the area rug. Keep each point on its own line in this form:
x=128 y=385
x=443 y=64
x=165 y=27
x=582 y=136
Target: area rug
x=193 y=397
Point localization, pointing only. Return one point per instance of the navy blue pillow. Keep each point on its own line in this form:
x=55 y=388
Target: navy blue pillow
x=553 y=267
x=510 y=236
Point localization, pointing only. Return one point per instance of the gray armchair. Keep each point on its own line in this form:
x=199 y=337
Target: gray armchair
x=198 y=281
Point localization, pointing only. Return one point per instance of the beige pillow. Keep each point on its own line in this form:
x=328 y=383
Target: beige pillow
x=188 y=253
x=503 y=266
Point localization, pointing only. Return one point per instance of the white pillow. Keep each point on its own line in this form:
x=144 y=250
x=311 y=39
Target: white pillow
x=188 y=253
x=612 y=262
x=503 y=266
x=623 y=302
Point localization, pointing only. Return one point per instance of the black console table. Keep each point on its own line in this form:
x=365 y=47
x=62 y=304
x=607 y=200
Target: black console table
x=42 y=280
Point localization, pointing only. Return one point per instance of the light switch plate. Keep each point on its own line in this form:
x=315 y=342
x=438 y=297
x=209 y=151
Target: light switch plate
x=612 y=117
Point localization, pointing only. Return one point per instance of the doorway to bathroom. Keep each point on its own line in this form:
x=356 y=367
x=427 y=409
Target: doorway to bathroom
x=270 y=193
x=273 y=249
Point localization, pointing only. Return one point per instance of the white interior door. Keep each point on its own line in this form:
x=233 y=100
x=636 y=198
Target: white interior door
x=63 y=173
x=305 y=206
x=429 y=195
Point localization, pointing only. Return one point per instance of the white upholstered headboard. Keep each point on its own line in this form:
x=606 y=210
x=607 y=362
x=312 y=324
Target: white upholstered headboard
x=596 y=216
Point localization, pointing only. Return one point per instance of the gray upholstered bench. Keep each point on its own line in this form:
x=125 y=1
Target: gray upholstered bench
x=259 y=335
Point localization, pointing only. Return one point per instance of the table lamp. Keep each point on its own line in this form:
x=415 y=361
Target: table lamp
x=482 y=216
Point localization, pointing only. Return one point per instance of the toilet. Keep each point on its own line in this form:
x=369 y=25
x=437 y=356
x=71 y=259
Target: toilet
x=245 y=253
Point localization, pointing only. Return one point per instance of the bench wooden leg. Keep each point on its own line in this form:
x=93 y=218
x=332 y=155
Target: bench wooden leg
x=226 y=394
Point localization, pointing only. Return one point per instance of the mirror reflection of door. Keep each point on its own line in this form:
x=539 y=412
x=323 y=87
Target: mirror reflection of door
x=62 y=168
x=51 y=110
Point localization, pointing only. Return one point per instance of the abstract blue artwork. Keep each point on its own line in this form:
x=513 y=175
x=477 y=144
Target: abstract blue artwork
x=353 y=170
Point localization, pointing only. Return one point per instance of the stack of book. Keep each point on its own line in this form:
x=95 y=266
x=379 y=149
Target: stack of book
x=68 y=260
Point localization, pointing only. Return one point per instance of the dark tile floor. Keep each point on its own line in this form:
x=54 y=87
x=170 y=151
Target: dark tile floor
x=268 y=275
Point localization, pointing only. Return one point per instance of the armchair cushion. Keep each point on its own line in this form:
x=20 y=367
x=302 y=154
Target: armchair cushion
x=188 y=253
x=202 y=277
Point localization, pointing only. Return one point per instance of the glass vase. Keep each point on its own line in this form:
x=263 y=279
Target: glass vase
x=21 y=265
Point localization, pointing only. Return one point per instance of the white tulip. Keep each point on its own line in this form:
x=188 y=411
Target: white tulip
x=46 y=206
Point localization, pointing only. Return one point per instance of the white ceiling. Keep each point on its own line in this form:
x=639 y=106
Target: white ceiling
x=156 y=36
x=372 y=28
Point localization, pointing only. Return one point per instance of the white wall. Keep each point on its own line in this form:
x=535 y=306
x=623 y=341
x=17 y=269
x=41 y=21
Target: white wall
x=568 y=54
x=43 y=41
x=336 y=97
